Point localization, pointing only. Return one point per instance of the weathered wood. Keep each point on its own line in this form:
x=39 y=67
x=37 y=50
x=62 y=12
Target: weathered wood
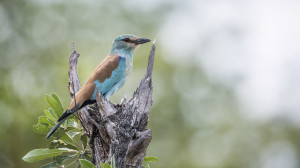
x=74 y=86
x=117 y=131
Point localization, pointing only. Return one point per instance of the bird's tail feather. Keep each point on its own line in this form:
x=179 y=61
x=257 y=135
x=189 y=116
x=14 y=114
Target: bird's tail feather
x=61 y=119
x=65 y=115
x=55 y=128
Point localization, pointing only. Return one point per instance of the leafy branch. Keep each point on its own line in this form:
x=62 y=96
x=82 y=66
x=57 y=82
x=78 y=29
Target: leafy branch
x=68 y=144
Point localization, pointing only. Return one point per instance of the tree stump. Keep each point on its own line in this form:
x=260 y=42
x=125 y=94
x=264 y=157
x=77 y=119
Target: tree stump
x=116 y=130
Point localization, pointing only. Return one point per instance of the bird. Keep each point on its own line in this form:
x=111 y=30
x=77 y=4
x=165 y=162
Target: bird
x=109 y=76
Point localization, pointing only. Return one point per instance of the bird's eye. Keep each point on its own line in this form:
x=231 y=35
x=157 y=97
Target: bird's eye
x=126 y=39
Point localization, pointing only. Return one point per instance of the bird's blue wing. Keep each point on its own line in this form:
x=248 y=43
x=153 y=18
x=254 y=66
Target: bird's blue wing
x=116 y=76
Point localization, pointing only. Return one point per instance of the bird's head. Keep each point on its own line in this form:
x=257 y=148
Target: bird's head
x=125 y=44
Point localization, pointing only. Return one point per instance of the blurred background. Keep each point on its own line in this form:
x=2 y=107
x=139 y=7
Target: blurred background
x=226 y=75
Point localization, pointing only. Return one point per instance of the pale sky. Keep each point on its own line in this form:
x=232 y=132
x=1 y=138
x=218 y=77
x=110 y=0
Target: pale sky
x=256 y=42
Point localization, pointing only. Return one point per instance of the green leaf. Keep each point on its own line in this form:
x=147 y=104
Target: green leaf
x=51 y=111
x=54 y=105
x=113 y=162
x=73 y=133
x=41 y=154
x=86 y=164
x=50 y=165
x=83 y=139
x=44 y=119
x=60 y=132
x=41 y=128
x=71 y=122
x=60 y=144
x=55 y=96
x=61 y=158
x=50 y=116
x=105 y=165
x=67 y=139
x=150 y=159
x=55 y=143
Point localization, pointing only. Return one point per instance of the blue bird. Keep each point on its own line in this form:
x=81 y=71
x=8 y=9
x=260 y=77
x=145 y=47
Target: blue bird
x=107 y=78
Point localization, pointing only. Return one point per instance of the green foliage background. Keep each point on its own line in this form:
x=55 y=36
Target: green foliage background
x=196 y=120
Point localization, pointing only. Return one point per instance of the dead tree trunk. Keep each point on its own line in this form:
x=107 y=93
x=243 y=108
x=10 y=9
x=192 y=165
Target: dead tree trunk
x=117 y=131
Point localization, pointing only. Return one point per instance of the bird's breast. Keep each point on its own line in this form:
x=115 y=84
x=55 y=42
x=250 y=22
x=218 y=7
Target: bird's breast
x=129 y=64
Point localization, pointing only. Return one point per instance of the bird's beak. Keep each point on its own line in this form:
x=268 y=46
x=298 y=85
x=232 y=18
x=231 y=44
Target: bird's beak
x=142 y=41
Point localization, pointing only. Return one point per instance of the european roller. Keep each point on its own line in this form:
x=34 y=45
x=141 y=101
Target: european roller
x=107 y=78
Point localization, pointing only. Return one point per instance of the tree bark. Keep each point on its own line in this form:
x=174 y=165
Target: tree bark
x=116 y=130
